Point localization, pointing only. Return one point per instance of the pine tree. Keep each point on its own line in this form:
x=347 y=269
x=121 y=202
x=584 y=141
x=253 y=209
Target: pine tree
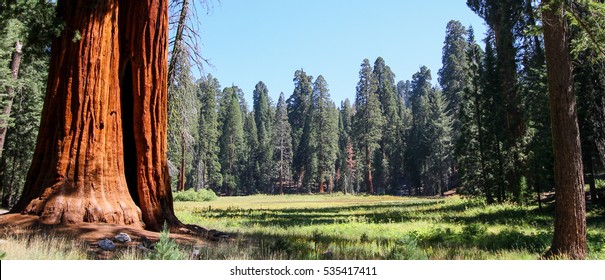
x=346 y=176
x=30 y=24
x=206 y=171
x=388 y=160
x=471 y=145
x=299 y=108
x=368 y=122
x=182 y=119
x=325 y=130
x=440 y=144
x=404 y=89
x=282 y=141
x=503 y=17
x=232 y=142
x=453 y=76
x=418 y=148
x=264 y=126
x=494 y=117
x=570 y=209
x=538 y=142
x=250 y=175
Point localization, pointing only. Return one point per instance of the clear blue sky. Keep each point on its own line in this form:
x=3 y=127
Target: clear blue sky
x=267 y=40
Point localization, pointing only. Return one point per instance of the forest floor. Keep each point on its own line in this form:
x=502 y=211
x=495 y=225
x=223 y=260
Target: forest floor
x=17 y=228
x=320 y=227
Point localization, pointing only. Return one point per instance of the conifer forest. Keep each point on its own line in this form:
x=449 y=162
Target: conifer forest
x=106 y=118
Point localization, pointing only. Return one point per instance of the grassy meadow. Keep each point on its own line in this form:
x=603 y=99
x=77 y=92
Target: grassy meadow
x=344 y=227
x=381 y=227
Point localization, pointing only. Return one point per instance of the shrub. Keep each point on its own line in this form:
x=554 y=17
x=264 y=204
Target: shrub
x=474 y=230
x=195 y=196
x=407 y=249
x=166 y=248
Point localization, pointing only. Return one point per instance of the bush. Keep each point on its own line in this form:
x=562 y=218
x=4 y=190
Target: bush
x=407 y=248
x=473 y=230
x=166 y=248
x=191 y=195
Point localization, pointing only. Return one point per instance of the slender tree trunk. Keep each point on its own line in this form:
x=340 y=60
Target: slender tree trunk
x=178 y=40
x=101 y=149
x=591 y=171
x=488 y=194
x=570 y=212
x=182 y=173
x=10 y=94
x=369 y=182
x=322 y=188
x=538 y=195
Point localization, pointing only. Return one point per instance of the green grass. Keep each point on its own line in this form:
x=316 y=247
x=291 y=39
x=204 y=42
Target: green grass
x=341 y=227
x=382 y=227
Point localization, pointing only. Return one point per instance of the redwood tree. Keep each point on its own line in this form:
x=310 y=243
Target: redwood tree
x=570 y=209
x=101 y=149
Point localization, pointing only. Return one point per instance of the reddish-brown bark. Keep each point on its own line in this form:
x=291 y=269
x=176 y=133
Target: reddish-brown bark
x=570 y=209
x=101 y=150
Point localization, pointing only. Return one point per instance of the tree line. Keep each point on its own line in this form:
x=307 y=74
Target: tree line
x=484 y=127
x=515 y=116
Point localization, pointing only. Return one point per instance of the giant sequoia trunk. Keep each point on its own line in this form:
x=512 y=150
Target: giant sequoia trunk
x=570 y=209
x=101 y=149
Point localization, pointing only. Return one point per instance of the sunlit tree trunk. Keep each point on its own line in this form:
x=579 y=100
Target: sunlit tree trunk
x=570 y=209
x=101 y=149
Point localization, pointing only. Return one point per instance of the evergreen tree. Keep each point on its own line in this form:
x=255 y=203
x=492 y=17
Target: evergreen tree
x=453 y=75
x=30 y=25
x=471 y=147
x=282 y=143
x=182 y=120
x=206 y=171
x=495 y=134
x=440 y=144
x=232 y=142
x=390 y=143
x=569 y=237
x=299 y=108
x=250 y=176
x=404 y=89
x=264 y=126
x=325 y=130
x=590 y=87
x=504 y=18
x=346 y=176
x=418 y=148
x=368 y=122
x=538 y=142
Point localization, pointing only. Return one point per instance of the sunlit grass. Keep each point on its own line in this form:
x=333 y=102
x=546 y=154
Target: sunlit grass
x=343 y=227
x=371 y=227
x=41 y=247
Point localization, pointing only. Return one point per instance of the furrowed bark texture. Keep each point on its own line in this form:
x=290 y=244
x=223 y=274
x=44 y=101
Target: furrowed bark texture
x=570 y=209
x=101 y=150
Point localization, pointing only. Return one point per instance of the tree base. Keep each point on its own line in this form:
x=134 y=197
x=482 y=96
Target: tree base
x=57 y=206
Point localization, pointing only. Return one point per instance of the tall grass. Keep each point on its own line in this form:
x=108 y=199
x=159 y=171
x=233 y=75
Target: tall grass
x=42 y=247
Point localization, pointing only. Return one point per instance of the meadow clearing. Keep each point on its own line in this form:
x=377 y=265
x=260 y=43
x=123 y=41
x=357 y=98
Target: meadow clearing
x=347 y=227
x=380 y=227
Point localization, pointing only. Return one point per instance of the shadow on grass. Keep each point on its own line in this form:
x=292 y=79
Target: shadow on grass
x=297 y=217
